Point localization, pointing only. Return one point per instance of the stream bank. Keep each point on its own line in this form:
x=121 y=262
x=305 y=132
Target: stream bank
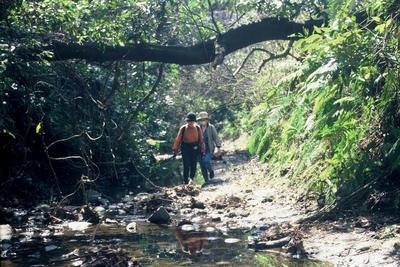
x=239 y=198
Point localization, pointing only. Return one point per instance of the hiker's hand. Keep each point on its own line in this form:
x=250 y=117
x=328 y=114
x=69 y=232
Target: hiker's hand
x=219 y=152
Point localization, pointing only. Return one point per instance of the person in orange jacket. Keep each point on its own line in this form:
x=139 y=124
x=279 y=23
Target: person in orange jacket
x=190 y=141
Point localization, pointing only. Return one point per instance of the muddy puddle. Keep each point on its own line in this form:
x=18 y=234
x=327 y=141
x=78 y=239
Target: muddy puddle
x=149 y=244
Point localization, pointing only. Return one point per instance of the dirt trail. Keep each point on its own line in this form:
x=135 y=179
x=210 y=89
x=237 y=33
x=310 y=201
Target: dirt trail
x=239 y=197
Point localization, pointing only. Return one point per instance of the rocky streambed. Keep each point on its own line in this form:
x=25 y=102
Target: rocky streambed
x=121 y=234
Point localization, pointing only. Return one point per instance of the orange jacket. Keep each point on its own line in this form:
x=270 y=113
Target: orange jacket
x=191 y=136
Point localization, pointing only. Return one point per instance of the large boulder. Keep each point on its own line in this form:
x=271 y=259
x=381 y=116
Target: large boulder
x=160 y=216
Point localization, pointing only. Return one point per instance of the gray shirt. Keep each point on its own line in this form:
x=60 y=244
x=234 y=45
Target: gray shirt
x=213 y=139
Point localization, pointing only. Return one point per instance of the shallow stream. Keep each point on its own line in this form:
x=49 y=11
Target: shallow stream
x=34 y=243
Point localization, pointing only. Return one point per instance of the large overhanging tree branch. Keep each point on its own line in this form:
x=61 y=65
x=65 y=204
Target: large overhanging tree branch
x=212 y=50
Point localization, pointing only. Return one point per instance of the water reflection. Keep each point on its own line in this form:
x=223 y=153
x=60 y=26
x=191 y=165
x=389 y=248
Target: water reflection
x=192 y=242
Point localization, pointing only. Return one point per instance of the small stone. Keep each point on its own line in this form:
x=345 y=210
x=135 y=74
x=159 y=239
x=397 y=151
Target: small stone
x=160 y=216
x=132 y=227
x=78 y=226
x=100 y=210
x=50 y=248
x=210 y=229
x=5 y=232
x=216 y=219
x=111 y=221
x=364 y=249
x=231 y=240
x=232 y=215
x=268 y=199
x=188 y=227
x=121 y=212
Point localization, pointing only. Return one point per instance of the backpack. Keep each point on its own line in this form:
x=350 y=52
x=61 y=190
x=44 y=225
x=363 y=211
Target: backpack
x=198 y=134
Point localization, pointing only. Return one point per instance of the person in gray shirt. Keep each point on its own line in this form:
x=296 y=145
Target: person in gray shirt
x=211 y=140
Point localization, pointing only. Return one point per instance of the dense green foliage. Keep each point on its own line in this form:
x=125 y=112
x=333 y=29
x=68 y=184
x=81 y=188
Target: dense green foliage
x=332 y=125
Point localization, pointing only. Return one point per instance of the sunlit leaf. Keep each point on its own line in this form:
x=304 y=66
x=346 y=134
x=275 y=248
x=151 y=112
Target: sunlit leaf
x=38 y=127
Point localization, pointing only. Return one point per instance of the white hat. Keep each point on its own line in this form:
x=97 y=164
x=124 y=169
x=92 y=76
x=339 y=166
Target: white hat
x=203 y=116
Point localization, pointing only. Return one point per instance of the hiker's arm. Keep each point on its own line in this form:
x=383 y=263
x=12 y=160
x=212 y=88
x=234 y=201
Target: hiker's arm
x=178 y=140
x=217 y=140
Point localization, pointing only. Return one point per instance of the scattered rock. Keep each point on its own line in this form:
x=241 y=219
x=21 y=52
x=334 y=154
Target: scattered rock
x=110 y=221
x=362 y=249
x=268 y=199
x=89 y=215
x=202 y=212
x=132 y=227
x=260 y=245
x=362 y=223
x=100 y=210
x=232 y=215
x=50 y=248
x=183 y=221
x=78 y=226
x=245 y=214
x=5 y=232
x=196 y=204
x=219 y=205
x=188 y=227
x=186 y=189
x=160 y=216
x=231 y=240
x=210 y=229
x=295 y=247
x=215 y=219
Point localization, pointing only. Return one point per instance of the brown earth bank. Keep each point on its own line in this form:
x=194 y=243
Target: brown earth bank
x=240 y=198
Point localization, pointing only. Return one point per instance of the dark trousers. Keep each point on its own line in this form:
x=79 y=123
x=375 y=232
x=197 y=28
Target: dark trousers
x=190 y=153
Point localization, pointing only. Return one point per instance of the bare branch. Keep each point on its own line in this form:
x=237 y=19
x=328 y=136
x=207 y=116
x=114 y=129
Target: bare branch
x=213 y=19
x=248 y=56
x=64 y=140
x=276 y=56
x=144 y=176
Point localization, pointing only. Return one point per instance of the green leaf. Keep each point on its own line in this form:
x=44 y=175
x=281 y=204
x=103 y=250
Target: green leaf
x=377 y=19
x=317 y=30
x=11 y=134
x=38 y=127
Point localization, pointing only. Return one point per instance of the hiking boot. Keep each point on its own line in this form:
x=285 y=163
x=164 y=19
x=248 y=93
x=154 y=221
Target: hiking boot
x=211 y=174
